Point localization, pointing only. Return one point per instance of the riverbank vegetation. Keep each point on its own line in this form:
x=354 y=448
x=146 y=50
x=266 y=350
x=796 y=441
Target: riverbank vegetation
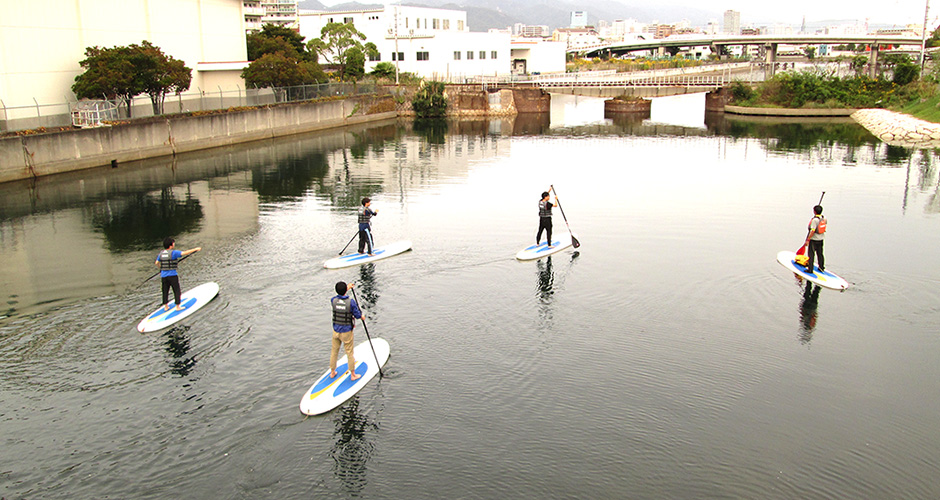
x=625 y=65
x=819 y=89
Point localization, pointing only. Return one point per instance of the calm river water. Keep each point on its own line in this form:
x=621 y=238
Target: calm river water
x=671 y=357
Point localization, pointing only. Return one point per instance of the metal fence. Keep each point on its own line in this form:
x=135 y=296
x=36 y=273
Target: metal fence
x=60 y=114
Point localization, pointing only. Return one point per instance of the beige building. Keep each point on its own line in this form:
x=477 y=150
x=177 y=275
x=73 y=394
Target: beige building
x=44 y=40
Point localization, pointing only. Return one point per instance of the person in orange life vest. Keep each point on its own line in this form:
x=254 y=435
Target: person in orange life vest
x=166 y=261
x=814 y=239
x=344 y=309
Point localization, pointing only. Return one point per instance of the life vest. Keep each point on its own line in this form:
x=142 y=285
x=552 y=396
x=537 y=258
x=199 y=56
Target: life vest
x=342 y=311
x=545 y=208
x=167 y=262
x=820 y=226
x=364 y=215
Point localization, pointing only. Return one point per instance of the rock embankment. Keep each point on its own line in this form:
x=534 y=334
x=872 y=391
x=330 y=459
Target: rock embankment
x=899 y=129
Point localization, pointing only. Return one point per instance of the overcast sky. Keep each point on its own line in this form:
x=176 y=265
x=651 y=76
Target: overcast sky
x=766 y=12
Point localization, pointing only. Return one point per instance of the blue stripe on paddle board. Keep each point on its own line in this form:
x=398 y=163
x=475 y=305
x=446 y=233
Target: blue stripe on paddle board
x=327 y=380
x=172 y=312
x=348 y=383
x=541 y=245
x=360 y=256
x=814 y=272
x=185 y=305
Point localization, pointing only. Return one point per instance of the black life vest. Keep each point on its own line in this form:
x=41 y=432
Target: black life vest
x=364 y=215
x=342 y=311
x=545 y=208
x=167 y=263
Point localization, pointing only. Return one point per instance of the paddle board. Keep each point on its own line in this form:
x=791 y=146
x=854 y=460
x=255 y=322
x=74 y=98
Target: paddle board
x=561 y=242
x=379 y=253
x=821 y=278
x=328 y=393
x=191 y=301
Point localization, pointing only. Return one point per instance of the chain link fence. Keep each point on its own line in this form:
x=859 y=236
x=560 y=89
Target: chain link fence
x=70 y=112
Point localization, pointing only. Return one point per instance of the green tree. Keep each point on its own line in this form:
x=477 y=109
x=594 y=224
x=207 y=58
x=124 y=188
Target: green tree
x=810 y=51
x=109 y=73
x=278 y=70
x=124 y=72
x=335 y=42
x=273 y=38
x=429 y=101
x=355 y=64
x=858 y=64
x=158 y=74
x=934 y=39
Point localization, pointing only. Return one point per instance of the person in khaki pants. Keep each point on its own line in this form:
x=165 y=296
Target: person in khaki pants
x=345 y=313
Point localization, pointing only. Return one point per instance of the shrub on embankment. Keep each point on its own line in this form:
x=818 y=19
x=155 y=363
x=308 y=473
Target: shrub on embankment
x=813 y=90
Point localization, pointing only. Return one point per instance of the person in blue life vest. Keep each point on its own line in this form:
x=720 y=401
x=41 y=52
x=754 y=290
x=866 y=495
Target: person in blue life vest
x=814 y=239
x=167 y=261
x=545 y=219
x=365 y=226
x=345 y=312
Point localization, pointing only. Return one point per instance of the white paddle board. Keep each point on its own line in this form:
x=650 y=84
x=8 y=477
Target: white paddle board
x=191 y=301
x=329 y=392
x=354 y=259
x=561 y=242
x=821 y=278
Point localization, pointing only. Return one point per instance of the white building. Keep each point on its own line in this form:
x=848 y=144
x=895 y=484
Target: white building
x=42 y=46
x=578 y=19
x=431 y=43
x=280 y=12
x=254 y=14
x=732 y=22
x=532 y=55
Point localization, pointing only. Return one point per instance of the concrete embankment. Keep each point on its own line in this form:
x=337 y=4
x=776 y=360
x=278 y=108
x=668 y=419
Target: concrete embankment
x=899 y=129
x=23 y=157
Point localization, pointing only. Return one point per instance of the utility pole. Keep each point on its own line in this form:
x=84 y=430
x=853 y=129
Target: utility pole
x=923 y=39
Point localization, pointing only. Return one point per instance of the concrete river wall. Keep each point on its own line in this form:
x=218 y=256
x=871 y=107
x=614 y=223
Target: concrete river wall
x=27 y=156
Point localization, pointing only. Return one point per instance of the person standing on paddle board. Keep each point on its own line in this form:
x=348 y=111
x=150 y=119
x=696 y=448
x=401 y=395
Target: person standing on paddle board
x=167 y=261
x=545 y=219
x=345 y=312
x=365 y=226
x=814 y=239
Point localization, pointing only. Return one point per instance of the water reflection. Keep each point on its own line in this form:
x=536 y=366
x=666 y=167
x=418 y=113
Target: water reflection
x=136 y=222
x=809 y=306
x=434 y=131
x=290 y=178
x=177 y=345
x=353 y=447
x=546 y=279
x=366 y=287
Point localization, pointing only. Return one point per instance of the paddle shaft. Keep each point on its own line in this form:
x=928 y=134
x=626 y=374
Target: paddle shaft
x=802 y=250
x=574 y=241
x=364 y=327
x=347 y=244
x=158 y=272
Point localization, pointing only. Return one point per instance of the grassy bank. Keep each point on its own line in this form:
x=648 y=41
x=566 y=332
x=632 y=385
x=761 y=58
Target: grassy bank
x=926 y=109
x=808 y=90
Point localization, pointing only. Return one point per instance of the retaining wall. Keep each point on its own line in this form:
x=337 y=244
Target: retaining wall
x=26 y=156
x=899 y=129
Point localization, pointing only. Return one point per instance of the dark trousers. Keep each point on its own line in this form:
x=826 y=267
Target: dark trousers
x=545 y=224
x=174 y=283
x=815 y=248
x=365 y=240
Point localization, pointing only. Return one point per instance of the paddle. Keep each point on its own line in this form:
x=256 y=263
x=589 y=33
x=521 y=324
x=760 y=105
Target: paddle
x=802 y=250
x=574 y=241
x=158 y=272
x=347 y=244
x=363 y=319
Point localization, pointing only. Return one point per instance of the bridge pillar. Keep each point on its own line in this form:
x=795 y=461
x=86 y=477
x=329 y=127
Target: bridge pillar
x=770 y=60
x=873 y=63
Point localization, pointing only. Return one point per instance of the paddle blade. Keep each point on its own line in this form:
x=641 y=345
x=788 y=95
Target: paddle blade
x=574 y=242
x=802 y=250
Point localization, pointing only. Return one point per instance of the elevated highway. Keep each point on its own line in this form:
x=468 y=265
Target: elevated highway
x=768 y=44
